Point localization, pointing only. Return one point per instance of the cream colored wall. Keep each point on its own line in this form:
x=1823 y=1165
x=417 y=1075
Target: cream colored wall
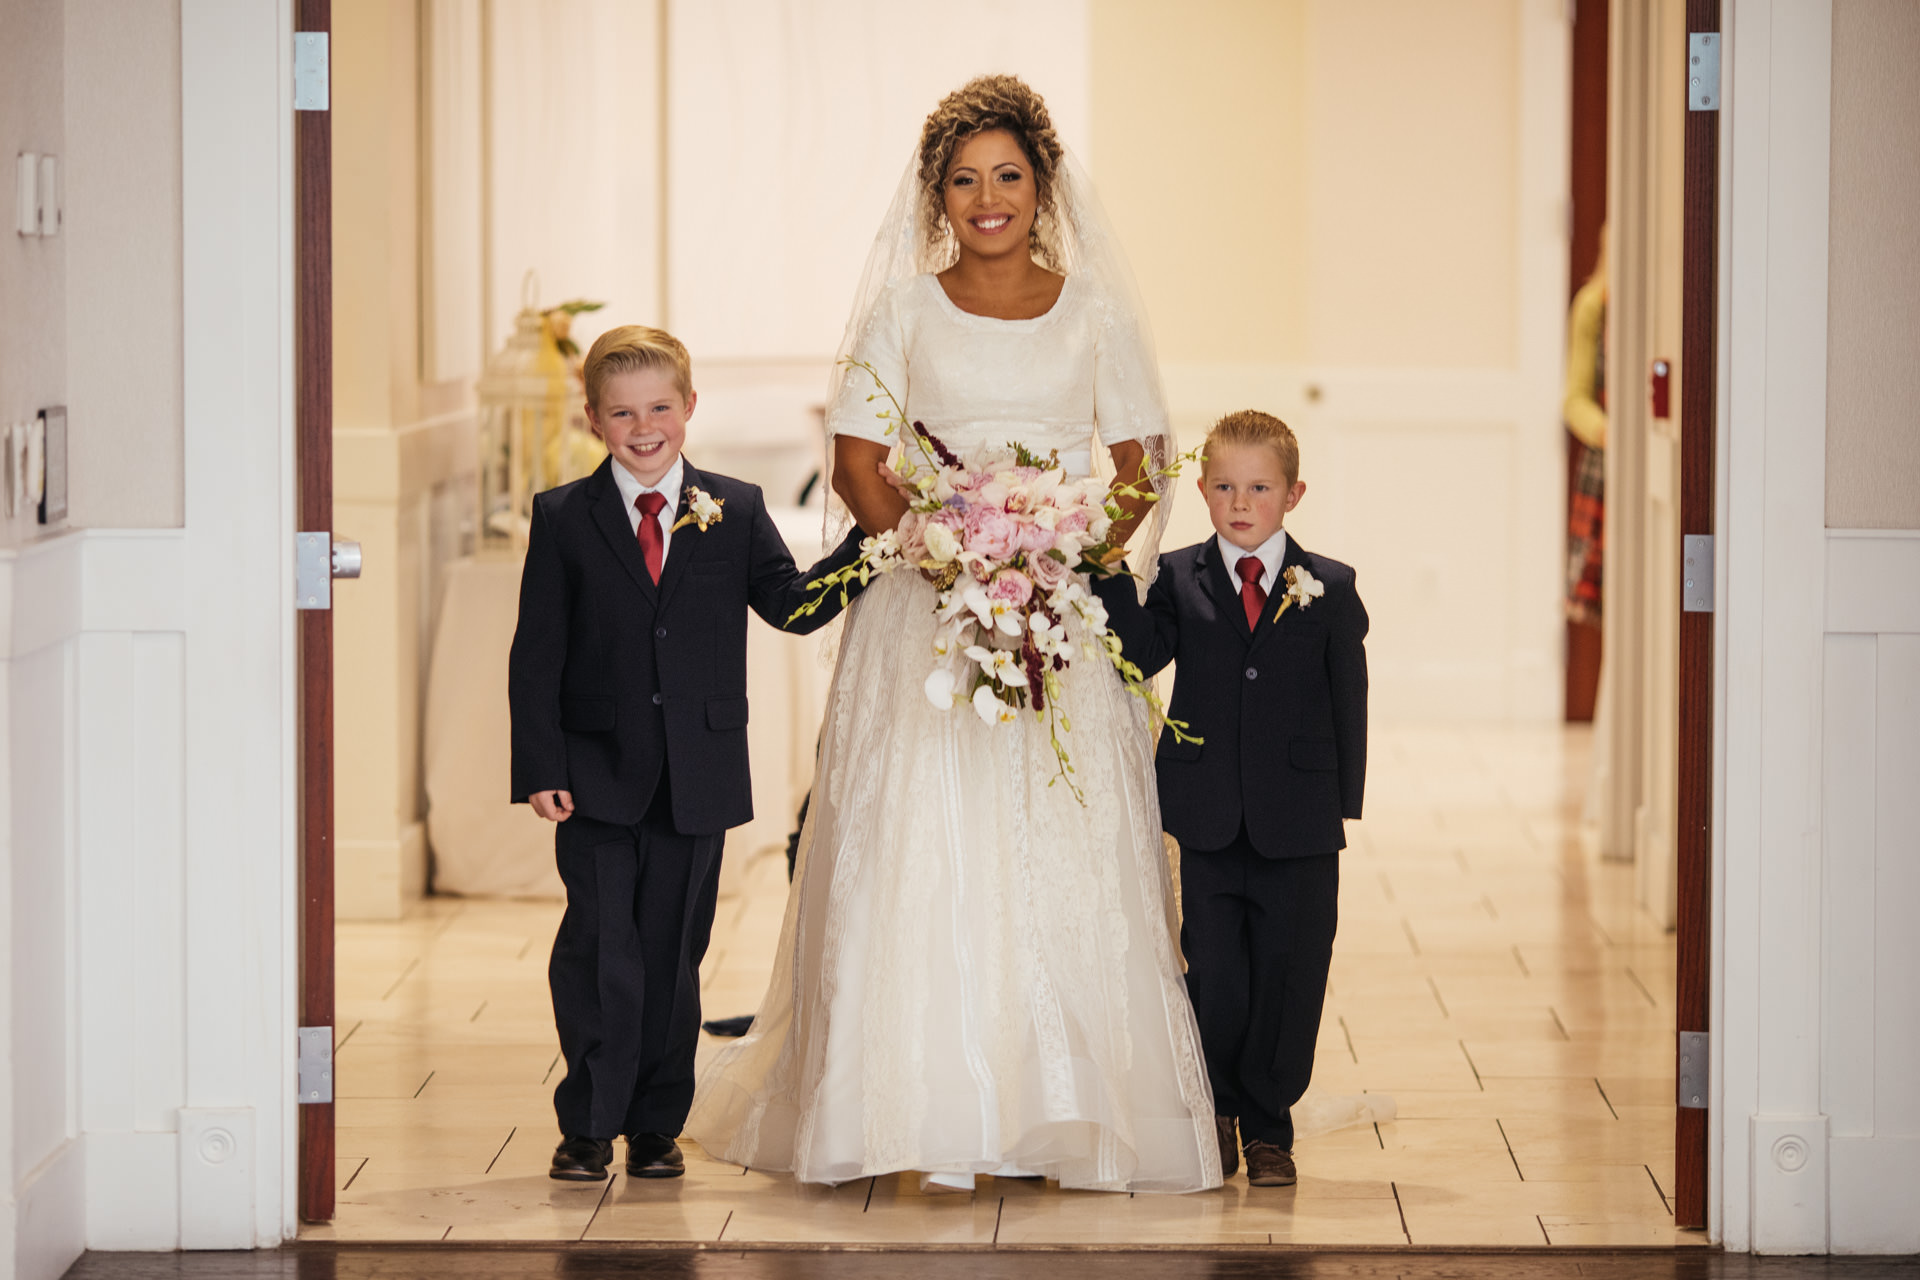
x=1873 y=298
x=1348 y=213
x=91 y=317
x=123 y=234
x=403 y=452
x=33 y=270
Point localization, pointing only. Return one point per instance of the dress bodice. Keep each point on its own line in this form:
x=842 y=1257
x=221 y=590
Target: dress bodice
x=1059 y=381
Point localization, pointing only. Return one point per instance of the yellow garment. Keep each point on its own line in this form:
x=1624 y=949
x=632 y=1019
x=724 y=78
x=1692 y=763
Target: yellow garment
x=1586 y=326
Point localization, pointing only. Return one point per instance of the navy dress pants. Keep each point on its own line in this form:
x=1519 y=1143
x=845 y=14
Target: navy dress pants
x=1258 y=936
x=625 y=972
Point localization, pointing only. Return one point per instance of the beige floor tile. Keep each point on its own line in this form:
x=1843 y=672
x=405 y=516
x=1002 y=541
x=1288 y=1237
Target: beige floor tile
x=1471 y=912
x=663 y=1209
x=463 y=1209
x=1620 y=1235
x=464 y=1150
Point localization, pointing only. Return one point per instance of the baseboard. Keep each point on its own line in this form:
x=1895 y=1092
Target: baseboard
x=50 y=1215
x=380 y=879
x=133 y=1190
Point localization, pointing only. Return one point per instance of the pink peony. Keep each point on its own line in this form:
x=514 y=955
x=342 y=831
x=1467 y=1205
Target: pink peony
x=1033 y=538
x=1073 y=521
x=1048 y=574
x=1010 y=586
x=992 y=533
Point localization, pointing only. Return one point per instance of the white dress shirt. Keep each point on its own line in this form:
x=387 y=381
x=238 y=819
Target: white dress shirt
x=668 y=488
x=1269 y=553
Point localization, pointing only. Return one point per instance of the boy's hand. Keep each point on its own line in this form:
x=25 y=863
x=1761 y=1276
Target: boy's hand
x=554 y=806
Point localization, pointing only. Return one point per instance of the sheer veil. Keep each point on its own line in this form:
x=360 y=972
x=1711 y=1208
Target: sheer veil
x=1076 y=239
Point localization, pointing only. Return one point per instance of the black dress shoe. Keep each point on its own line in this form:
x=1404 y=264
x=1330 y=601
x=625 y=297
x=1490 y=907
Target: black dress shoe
x=581 y=1159
x=1227 y=1129
x=728 y=1028
x=653 y=1155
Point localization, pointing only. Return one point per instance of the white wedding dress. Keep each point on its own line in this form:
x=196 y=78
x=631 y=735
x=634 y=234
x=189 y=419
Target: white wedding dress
x=977 y=973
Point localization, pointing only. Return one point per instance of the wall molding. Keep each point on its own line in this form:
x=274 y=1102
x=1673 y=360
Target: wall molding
x=1871 y=579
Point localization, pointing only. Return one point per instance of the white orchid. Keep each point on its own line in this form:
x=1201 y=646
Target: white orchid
x=991 y=709
x=994 y=615
x=940 y=689
x=999 y=664
x=1048 y=638
x=947 y=639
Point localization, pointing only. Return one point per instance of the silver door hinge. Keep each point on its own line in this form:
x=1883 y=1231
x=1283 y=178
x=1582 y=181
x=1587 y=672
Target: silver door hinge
x=1703 y=71
x=1696 y=573
x=316 y=1065
x=310 y=80
x=1693 y=1069
x=317 y=561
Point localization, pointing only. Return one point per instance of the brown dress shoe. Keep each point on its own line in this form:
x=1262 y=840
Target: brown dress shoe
x=653 y=1155
x=581 y=1159
x=1268 y=1165
x=1228 y=1129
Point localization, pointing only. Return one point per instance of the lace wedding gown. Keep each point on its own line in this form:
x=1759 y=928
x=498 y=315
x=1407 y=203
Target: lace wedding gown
x=975 y=971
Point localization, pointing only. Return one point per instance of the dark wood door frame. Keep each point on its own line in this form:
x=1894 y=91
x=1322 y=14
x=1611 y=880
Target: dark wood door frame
x=1699 y=364
x=313 y=454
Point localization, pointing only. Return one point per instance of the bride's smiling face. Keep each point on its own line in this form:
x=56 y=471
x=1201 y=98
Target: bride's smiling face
x=990 y=194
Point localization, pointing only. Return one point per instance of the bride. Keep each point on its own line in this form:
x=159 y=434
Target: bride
x=976 y=974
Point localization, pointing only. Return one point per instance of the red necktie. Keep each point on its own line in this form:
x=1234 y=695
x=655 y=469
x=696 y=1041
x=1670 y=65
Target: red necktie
x=653 y=547
x=1249 y=568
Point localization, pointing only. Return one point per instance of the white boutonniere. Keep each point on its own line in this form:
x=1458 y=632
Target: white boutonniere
x=703 y=509
x=1302 y=589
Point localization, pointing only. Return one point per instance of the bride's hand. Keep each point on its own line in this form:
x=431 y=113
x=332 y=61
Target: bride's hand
x=895 y=479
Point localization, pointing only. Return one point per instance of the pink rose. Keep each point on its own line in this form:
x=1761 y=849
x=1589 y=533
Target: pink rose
x=1074 y=521
x=913 y=537
x=992 y=533
x=1010 y=586
x=1048 y=574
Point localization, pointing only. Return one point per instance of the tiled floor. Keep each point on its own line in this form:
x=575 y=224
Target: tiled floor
x=1493 y=978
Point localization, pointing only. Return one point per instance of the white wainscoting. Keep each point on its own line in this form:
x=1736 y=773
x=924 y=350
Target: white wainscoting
x=95 y=676
x=1870 y=1068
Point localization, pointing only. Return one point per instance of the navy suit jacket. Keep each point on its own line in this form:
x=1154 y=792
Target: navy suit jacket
x=613 y=677
x=1282 y=707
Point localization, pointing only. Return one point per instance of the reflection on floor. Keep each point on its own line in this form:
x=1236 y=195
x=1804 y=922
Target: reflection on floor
x=1498 y=982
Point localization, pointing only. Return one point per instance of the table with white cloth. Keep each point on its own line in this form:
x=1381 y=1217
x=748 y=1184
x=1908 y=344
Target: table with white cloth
x=487 y=847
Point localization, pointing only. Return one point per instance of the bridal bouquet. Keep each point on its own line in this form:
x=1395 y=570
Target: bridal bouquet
x=1004 y=541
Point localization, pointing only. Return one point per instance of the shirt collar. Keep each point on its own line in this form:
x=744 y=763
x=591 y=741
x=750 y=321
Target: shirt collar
x=668 y=488
x=1270 y=553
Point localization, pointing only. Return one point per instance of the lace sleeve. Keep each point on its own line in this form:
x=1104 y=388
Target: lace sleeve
x=856 y=404
x=1129 y=405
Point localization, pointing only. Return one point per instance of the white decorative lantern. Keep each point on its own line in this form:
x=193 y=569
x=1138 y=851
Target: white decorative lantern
x=534 y=432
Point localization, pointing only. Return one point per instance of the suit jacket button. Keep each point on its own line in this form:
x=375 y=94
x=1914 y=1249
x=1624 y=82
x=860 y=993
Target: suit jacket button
x=659 y=633
x=1252 y=674
x=657 y=699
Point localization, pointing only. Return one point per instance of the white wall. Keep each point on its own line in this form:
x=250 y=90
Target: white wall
x=1816 y=1126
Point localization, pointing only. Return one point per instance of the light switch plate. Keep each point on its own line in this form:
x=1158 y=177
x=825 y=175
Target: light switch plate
x=26 y=194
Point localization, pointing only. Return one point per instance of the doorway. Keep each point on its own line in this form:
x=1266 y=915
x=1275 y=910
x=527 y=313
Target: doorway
x=1429 y=940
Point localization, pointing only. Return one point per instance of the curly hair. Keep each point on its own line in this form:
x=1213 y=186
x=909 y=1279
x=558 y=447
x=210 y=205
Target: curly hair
x=983 y=103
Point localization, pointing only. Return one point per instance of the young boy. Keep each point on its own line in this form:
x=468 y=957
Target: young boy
x=628 y=684
x=1258 y=805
